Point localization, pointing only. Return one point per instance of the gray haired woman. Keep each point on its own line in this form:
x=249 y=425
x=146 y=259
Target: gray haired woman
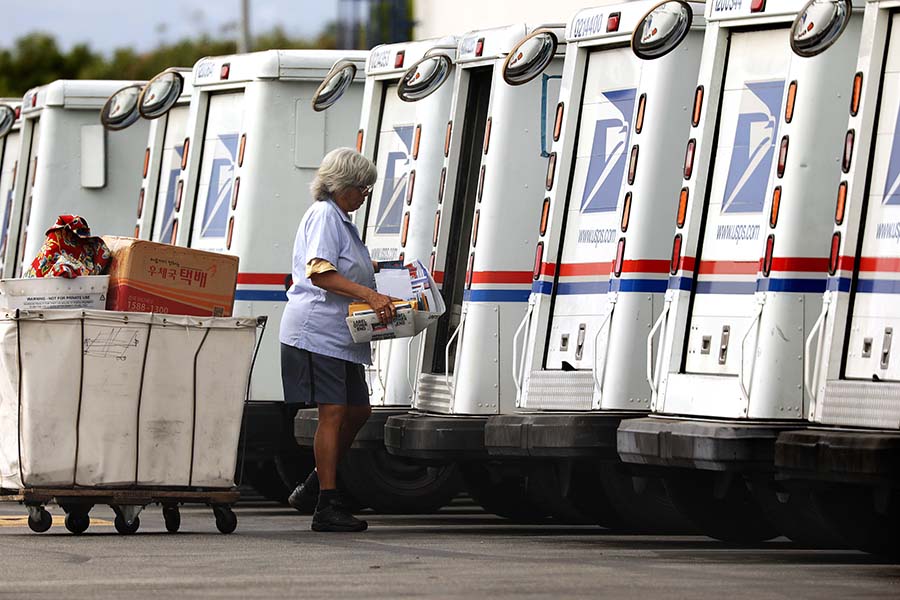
x=320 y=362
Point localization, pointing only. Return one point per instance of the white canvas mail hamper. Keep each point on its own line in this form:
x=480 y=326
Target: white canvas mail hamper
x=113 y=399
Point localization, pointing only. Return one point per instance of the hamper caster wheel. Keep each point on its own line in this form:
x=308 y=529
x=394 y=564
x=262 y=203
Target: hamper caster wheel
x=39 y=520
x=172 y=516
x=124 y=527
x=78 y=522
x=226 y=520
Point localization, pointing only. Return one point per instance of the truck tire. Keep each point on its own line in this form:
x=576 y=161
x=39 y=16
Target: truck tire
x=503 y=492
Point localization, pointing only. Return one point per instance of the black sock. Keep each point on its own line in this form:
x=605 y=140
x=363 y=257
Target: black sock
x=311 y=485
x=326 y=498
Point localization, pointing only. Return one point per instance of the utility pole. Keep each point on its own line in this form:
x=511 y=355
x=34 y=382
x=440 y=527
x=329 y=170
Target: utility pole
x=244 y=38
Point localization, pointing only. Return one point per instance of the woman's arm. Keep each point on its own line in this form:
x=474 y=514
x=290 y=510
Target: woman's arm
x=332 y=281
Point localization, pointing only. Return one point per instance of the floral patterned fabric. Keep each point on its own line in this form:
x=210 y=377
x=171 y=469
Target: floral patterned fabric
x=70 y=251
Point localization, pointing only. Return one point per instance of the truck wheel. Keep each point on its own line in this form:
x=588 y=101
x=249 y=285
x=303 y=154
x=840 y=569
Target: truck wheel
x=393 y=485
x=642 y=503
x=570 y=491
x=865 y=517
x=720 y=505
x=502 y=491
x=790 y=506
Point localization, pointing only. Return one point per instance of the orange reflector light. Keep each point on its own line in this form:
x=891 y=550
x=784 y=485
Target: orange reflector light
x=410 y=187
x=241 y=149
x=856 y=95
x=551 y=170
x=470 y=270
x=632 y=165
x=675 y=261
x=557 y=125
x=442 y=185
x=626 y=213
x=791 y=102
x=178 y=193
x=538 y=260
x=475 y=227
x=225 y=71
x=230 y=233
x=767 y=259
x=487 y=134
x=698 y=106
x=146 y=161
x=447 y=139
x=480 y=183
x=681 y=215
x=835 y=252
x=437 y=228
x=237 y=190
x=416 y=141
x=431 y=263
x=140 y=203
x=174 y=231
x=848 y=150
x=184 y=153
x=399 y=58
x=137 y=231
x=776 y=206
x=841 y=203
x=545 y=216
x=642 y=107
x=689 y=158
x=620 y=258
x=359 y=140
x=782 y=156
x=404 y=233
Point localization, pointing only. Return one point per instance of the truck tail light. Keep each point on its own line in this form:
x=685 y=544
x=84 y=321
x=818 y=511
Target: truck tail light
x=179 y=191
x=675 y=261
x=410 y=187
x=626 y=213
x=835 y=252
x=545 y=216
x=404 y=233
x=689 y=158
x=776 y=206
x=681 y=215
x=856 y=95
x=479 y=47
x=848 y=150
x=612 y=23
x=632 y=164
x=782 y=155
x=642 y=108
x=447 y=139
x=538 y=260
x=791 y=102
x=551 y=170
x=225 y=71
x=620 y=258
x=399 y=59
x=237 y=191
x=757 y=6
x=437 y=228
x=698 y=106
x=841 y=203
x=767 y=259
x=557 y=124
x=184 y=153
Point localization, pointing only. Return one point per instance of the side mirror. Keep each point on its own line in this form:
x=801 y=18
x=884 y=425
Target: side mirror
x=160 y=94
x=334 y=85
x=120 y=109
x=530 y=57
x=424 y=77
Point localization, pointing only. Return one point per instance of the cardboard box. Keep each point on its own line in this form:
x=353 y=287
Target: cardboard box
x=365 y=326
x=40 y=293
x=149 y=277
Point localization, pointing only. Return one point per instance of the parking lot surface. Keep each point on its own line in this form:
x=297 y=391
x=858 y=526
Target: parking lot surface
x=460 y=552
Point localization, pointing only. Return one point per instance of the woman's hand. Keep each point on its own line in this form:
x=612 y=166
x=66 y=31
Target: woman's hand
x=383 y=306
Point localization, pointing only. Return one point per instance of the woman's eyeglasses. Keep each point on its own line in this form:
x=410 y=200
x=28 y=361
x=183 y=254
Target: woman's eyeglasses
x=366 y=189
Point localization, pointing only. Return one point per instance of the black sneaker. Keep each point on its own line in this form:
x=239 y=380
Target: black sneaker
x=335 y=518
x=304 y=499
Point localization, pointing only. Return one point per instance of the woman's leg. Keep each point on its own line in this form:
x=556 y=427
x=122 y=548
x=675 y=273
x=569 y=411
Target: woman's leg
x=328 y=444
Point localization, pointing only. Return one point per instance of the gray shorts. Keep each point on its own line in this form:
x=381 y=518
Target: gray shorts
x=310 y=378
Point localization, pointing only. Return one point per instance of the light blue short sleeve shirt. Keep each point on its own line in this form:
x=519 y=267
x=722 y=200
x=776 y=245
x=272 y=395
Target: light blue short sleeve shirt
x=315 y=320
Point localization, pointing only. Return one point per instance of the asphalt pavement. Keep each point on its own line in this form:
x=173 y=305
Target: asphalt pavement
x=459 y=553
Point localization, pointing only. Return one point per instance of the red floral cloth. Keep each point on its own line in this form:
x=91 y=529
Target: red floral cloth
x=70 y=251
